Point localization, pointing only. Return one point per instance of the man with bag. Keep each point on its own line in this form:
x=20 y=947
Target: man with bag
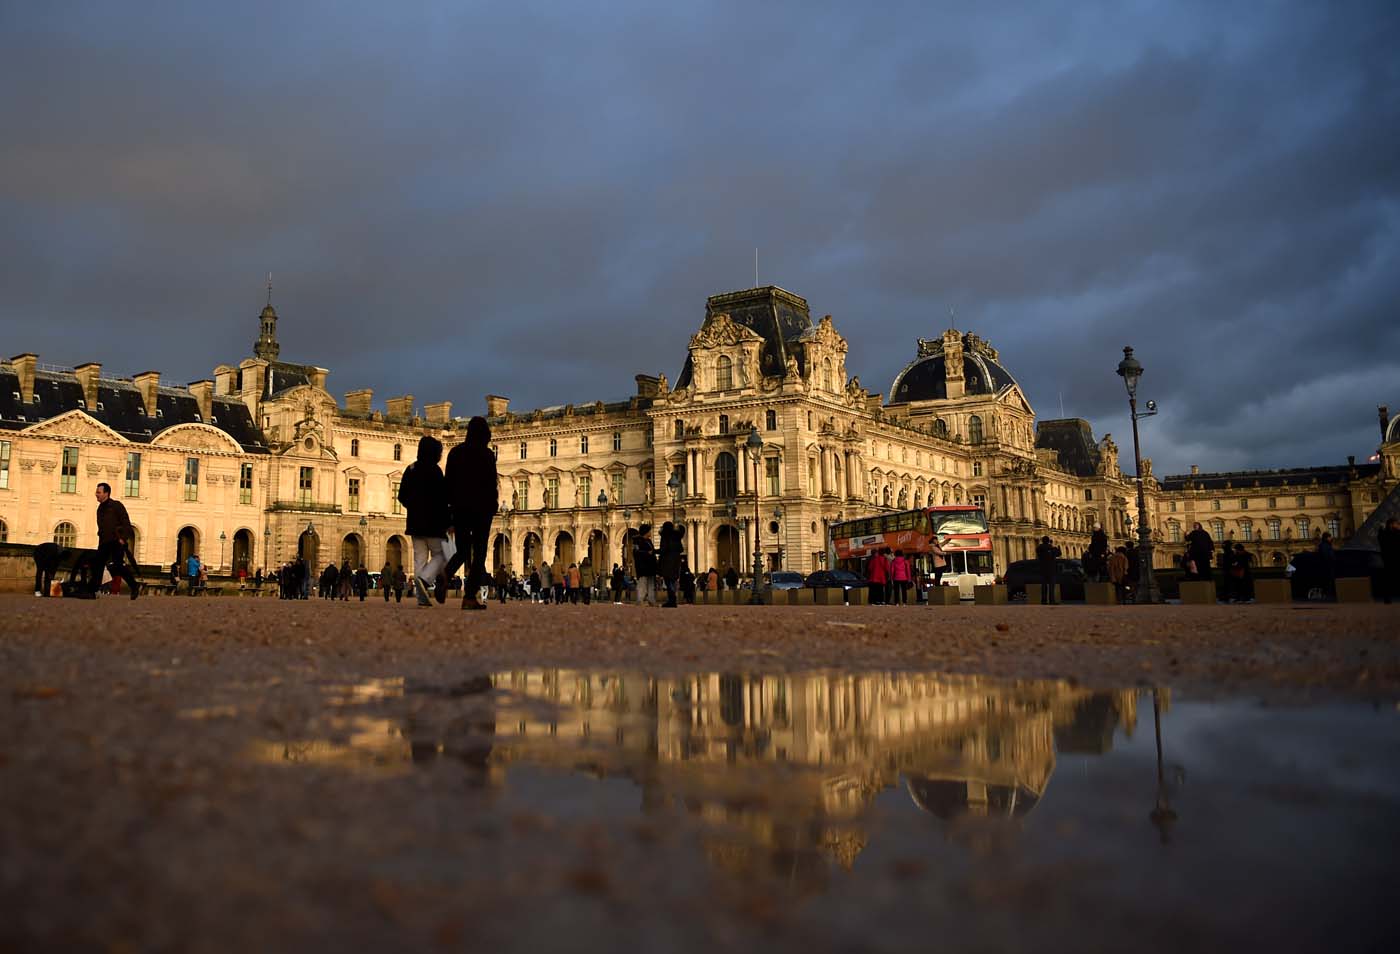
x=113 y=530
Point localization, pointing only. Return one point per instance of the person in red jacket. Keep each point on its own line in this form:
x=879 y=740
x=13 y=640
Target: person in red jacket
x=900 y=575
x=879 y=575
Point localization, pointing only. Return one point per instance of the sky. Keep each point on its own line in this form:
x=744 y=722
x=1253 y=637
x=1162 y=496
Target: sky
x=535 y=199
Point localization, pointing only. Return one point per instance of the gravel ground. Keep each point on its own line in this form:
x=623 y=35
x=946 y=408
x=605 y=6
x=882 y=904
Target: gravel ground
x=132 y=818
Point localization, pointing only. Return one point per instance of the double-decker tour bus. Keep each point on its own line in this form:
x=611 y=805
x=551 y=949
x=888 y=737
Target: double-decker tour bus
x=961 y=529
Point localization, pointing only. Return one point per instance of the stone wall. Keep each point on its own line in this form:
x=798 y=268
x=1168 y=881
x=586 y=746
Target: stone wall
x=16 y=568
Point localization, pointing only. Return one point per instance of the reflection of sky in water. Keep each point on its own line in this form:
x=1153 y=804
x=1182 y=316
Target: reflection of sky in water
x=829 y=776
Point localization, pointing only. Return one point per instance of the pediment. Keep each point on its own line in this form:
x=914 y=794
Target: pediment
x=75 y=426
x=720 y=331
x=1011 y=396
x=197 y=437
x=354 y=472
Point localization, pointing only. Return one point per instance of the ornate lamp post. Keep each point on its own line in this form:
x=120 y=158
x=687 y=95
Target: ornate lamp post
x=267 y=544
x=1130 y=370
x=222 y=537
x=754 y=447
x=673 y=487
x=778 y=533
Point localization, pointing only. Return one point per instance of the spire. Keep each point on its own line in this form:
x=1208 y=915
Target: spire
x=266 y=347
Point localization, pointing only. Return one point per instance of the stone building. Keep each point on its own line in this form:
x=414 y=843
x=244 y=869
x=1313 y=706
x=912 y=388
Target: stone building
x=261 y=462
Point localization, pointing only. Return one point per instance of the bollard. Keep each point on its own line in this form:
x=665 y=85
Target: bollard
x=728 y=597
x=1354 y=589
x=1100 y=594
x=1273 y=591
x=829 y=596
x=944 y=596
x=858 y=596
x=1034 y=595
x=800 y=597
x=1198 y=592
x=991 y=594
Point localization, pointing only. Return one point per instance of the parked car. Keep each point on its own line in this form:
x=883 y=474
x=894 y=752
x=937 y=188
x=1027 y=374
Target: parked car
x=1069 y=575
x=786 y=580
x=1308 y=582
x=845 y=579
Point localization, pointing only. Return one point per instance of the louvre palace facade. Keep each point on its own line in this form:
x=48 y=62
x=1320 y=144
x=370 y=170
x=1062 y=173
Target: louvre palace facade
x=261 y=462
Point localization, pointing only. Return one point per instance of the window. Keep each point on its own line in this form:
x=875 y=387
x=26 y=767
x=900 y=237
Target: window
x=1273 y=503
x=980 y=500
x=553 y=447
x=940 y=428
x=771 y=470
x=398 y=452
x=724 y=373
x=4 y=464
x=394 y=505
x=524 y=450
x=1244 y=503
x=1331 y=500
x=1304 y=527
x=304 y=485
x=1247 y=531
x=1275 y=528
x=726 y=477
x=65 y=535
x=618 y=482
x=1173 y=506
x=354 y=447
x=68 y=476
x=1174 y=532
x=245 y=484
x=770 y=420
x=1302 y=501
x=1215 y=505
x=1217 y=529
x=811 y=475
x=617 y=440
x=809 y=420
x=4 y=532
x=974 y=429
x=724 y=423
x=585 y=491
x=522 y=494
x=551 y=492
x=680 y=430
x=583 y=444
x=977 y=472
x=352 y=494
x=133 y=475
x=1334 y=527
x=1088 y=492
x=828 y=381
x=191 y=478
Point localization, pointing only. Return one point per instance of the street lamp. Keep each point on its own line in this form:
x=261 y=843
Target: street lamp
x=1130 y=370
x=673 y=486
x=222 y=537
x=267 y=544
x=754 y=446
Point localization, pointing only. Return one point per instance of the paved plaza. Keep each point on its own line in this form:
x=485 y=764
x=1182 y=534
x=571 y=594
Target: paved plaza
x=253 y=774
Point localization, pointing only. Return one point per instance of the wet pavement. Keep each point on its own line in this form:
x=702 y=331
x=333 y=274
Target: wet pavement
x=287 y=801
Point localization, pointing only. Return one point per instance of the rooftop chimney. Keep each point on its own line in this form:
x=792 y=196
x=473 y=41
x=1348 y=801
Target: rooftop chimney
x=953 y=363
x=225 y=376
x=146 y=382
x=648 y=385
x=359 y=402
x=496 y=405
x=399 y=407
x=439 y=413
x=318 y=377
x=24 y=367
x=1195 y=469
x=87 y=375
x=203 y=392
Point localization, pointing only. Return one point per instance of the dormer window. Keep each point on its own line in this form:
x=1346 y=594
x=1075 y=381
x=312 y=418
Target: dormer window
x=724 y=373
x=160 y=413
x=100 y=407
x=82 y=404
x=197 y=417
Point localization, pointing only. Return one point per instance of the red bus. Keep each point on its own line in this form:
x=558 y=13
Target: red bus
x=961 y=529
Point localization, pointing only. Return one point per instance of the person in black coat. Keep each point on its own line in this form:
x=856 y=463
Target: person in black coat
x=1046 y=555
x=1200 y=549
x=47 y=557
x=472 y=495
x=619 y=580
x=670 y=560
x=423 y=493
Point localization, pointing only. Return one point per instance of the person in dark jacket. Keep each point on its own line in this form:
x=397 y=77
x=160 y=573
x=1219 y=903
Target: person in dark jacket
x=400 y=581
x=113 y=532
x=1200 y=550
x=670 y=560
x=1046 y=555
x=345 y=580
x=1239 y=584
x=1096 y=562
x=618 y=581
x=1389 y=541
x=362 y=582
x=644 y=559
x=47 y=557
x=731 y=578
x=423 y=493
x=472 y=495
x=330 y=579
x=687 y=582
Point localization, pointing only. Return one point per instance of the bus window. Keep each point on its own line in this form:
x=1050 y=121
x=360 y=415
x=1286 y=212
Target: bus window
x=967 y=521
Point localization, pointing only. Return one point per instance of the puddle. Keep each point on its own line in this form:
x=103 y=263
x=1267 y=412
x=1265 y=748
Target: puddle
x=1212 y=823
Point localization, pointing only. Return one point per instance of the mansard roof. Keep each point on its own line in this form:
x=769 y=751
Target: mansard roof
x=783 y=320
x=119 y=406
x=1293 y=477
x=1072 y=439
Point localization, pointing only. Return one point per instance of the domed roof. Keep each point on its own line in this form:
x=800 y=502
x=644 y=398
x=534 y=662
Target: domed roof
x=268 y=312
x=925 y=378
x=1392 y=433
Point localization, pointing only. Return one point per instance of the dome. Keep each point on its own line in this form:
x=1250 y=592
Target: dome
x=1392 y=433
x=924 y=378
x=268 y=312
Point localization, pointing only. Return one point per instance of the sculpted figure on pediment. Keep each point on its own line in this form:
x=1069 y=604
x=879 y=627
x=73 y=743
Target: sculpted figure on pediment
x=197 y=437
x=75 y=426
x=721 y=331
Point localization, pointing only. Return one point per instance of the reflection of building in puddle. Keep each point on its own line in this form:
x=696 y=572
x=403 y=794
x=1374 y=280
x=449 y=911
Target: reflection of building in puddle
x=784 y=766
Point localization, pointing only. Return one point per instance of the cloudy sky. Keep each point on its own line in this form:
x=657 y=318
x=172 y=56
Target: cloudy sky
x=535 y=198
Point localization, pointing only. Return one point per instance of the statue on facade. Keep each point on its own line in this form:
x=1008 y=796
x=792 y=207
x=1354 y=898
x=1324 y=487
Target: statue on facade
x=743 y=369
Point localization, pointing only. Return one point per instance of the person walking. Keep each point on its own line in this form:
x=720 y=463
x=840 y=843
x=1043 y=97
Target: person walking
x=731 y=578
x=423 y=493
x=1389 y=541
x=1327 y=563
x=546 y=582
x=899 y=574
x=1118 y=573
x=174 y=574
x=361 y=582
x=877 y=573
x=113 y=531
x=575 y=583
x=712 y=580
x=400 y=583
x=1200 y=553
x=670 y=561
x=502 y=582
x=386 y=580
x=1097 y=564
x=1241 y=579
x=192 y=568
x=535 y=584
x=345 y=580
x=644 y=559
x=472 y=490
x=618 y=584
x=687 y=582
x=1046 y=557
x=47 y=557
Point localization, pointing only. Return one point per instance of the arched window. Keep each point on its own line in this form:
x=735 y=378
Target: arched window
x=4 y=532
x=553 y=447
x=524 y=450
x=828 y=381
x=354 y=447
x=65 y=534
x=940 y=428
x=726 y=477
x=724 y=373
x=770 y=420
x=974 y=429
x=398 y=452
x=887 y=496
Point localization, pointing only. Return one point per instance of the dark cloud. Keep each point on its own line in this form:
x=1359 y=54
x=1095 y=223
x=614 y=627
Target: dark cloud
x=509 y=198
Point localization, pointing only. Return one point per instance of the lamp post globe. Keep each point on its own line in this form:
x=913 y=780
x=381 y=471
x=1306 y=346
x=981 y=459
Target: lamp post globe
x=1130 y=370
x=673 y=487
